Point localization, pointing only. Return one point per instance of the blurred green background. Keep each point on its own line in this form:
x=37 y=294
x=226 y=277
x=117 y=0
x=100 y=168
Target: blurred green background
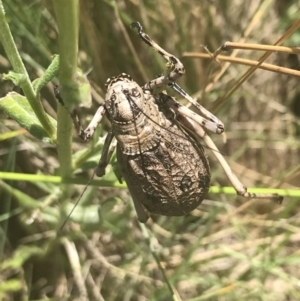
x=227 y=249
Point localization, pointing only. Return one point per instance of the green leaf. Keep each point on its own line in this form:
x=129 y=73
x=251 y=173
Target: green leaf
x=12 y=285
x=24 y=199
x=12 y=134
x=78 y=93
x=48 y=75
x=18 y=108
x=22 y=254
x=17 y=78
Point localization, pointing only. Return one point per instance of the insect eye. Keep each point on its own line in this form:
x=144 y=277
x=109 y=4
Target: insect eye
x=135 y=92
x=113 y=97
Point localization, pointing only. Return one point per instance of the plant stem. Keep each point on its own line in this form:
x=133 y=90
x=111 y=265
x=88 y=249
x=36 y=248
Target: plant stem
x=67 y=20
x=67 y=17
x=19 y=68
x=64 y=140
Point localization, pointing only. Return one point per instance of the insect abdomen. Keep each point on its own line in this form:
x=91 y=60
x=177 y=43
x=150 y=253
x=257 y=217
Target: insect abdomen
x=170 y=179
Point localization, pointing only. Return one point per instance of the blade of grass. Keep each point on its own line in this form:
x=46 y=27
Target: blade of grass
x=67 y=180
x=10 y=163
x=174 y=294
x=57 y=179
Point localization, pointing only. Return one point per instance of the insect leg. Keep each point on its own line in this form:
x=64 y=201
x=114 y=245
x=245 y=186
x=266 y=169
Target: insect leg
x=76 y=121
x=175 y=67
x=135 y=189
x=74 y=114
x=218 y=127
x=210 y=125
x=235 y=182
x=89 y=131
x=140 y=210
x=107 y=152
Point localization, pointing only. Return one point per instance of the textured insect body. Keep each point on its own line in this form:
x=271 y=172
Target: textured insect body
x=164 y=166
x=161 y=159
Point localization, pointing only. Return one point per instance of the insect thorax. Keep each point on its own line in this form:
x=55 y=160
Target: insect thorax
x=135 y=117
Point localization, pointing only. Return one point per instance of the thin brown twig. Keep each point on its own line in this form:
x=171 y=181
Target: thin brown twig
x=76 y=267
x=258 y=14
x=246 y=62
x=260 y=47
x=247 y=74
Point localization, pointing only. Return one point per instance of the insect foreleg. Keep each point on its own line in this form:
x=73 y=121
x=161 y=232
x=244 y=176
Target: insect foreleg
x=89 y=131
x=174 y=65
x=107 y=152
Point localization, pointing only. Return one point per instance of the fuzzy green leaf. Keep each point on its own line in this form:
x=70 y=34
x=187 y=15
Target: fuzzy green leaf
x=22 y=254
x=18 y=108
x=12 y=285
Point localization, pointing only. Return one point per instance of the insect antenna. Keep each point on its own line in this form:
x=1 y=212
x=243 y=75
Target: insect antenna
x=77 y=201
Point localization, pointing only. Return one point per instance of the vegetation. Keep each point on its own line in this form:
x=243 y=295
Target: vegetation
x=227 y=249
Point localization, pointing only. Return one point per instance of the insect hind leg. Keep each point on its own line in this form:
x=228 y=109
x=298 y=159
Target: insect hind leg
x=234 y=180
